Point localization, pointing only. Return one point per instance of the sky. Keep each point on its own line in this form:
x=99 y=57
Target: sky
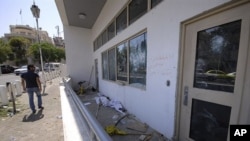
x=17 y=12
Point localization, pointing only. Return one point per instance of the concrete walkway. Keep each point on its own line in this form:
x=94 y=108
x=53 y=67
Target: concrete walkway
x=44 y=125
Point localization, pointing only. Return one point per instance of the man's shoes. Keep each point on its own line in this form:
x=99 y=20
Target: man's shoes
x=34 y=111
x=41 y=107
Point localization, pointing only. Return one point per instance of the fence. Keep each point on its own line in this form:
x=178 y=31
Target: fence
x=47 y=76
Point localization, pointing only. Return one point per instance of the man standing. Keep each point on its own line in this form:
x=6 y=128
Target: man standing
x=32 y=84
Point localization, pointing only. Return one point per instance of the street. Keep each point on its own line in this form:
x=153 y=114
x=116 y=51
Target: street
x=11 y=77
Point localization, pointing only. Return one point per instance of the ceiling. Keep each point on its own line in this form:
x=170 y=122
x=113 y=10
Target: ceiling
x=69 y=11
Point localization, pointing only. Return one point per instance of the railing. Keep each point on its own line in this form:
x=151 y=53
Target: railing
x=95 y=131
x=51 y=75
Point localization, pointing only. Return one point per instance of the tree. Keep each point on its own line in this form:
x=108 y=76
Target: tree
x=19 y=46
x=60 y=54
x=5 y=51
x=49 y=52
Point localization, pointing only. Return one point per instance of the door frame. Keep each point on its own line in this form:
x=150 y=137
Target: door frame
x=96 y=75
x=244 y=117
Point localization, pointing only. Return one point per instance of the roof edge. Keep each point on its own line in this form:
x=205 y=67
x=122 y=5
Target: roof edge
x=61 y=10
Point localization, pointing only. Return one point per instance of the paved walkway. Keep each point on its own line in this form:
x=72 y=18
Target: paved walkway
x=44 y=125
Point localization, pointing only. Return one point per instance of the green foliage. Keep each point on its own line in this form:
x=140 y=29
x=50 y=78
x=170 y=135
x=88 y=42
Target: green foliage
x=5 y=51
x=50 y=53
x=33 y=51
x=60 y=54
x=19 y=46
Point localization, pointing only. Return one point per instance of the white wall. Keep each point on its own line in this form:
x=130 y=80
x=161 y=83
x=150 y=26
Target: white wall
x=156 y=104
x=78 y=53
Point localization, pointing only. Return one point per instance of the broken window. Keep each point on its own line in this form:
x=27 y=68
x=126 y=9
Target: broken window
x=115 y=63
x=137 y=60
x=122 y=50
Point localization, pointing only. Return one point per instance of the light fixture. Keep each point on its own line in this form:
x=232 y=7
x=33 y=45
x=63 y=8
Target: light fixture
x=82 y=16
x=35 y=11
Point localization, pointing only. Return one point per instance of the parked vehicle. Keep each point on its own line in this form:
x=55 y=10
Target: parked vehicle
x=215 y=74
x=7 y=69
x=231 y=77
x=24 y=69
x=51 y=66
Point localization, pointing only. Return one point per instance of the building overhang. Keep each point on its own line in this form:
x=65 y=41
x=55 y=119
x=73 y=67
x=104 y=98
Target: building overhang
x=79 y=13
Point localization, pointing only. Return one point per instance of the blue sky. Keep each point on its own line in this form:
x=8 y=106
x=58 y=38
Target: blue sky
x=10 y=15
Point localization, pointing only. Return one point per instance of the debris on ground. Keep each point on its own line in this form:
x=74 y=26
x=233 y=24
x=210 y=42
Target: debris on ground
x=118 y=122
x=113 y=130
x=105 y=101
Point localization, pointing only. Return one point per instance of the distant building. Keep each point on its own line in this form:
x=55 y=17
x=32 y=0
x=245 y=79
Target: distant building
x=27 y=32
x=58 y=41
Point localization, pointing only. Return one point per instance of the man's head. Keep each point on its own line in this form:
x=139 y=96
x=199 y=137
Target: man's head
x=31 y=67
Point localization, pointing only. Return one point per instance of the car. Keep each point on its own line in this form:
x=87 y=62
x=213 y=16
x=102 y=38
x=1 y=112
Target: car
x=7 y=69
x=215 y=74
x=52 y=66
x=231 y=77
x=24 y=69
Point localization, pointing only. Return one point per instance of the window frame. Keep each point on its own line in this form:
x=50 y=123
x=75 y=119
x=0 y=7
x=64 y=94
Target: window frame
x=144 y=34
x=126 y=43
x=113 y=21
x=119 y=21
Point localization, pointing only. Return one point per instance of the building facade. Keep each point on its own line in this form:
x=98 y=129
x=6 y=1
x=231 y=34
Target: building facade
x=59 y=42
x=171 y=63
x=27 y=32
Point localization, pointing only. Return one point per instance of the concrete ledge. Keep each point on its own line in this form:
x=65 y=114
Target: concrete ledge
x=73 y=126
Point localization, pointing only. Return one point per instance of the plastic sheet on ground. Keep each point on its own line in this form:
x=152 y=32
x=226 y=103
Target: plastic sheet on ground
x=110 y=103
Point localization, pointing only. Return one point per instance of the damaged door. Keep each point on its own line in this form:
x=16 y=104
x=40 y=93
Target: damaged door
x=215 y=53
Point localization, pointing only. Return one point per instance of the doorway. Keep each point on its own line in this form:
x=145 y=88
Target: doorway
x=215 y=47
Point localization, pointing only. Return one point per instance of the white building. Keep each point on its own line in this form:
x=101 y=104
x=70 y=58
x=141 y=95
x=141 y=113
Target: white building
x=160 y=59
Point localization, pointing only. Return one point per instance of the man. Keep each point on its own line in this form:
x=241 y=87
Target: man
x=32 y=84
